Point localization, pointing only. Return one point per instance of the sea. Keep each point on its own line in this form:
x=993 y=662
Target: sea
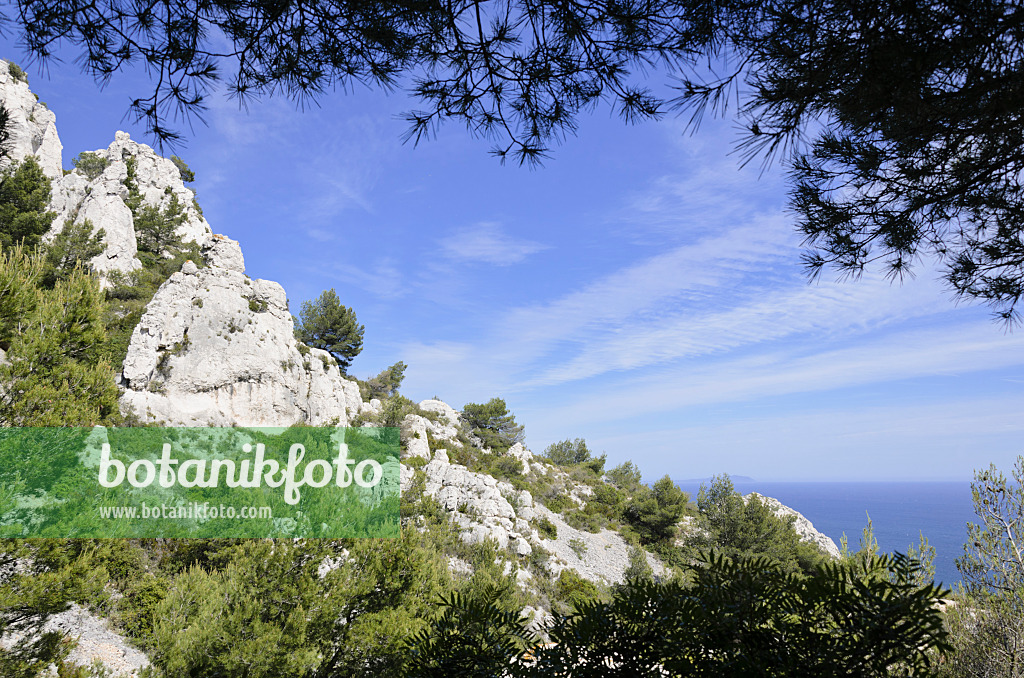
x=900 y=512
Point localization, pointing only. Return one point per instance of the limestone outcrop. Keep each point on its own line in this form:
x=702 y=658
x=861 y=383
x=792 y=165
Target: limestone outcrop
x=103 y=200
x=215 y=347
x=33 y=127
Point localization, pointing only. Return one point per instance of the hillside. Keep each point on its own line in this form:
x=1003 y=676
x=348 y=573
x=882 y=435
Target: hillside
x=192 y=340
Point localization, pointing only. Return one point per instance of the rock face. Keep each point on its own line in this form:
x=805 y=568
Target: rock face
x=217 y=348
x=803 y=527
x=32 y=125
x=102 y=201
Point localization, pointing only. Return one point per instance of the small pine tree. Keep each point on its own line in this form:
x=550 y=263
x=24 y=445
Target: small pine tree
x=326 y=324
x=55 y=375
x=493 y=424
x=72 y=248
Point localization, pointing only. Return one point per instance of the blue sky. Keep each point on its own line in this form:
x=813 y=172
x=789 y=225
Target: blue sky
x=640 y=291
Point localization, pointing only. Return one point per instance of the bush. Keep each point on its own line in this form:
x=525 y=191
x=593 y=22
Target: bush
x=16 y=72
x=186 y=174
x=384 y=385
x=626 y=476
x=654 y=512
x=90 y=164
x=75 y=246
x=546 y=528
x=24 y=203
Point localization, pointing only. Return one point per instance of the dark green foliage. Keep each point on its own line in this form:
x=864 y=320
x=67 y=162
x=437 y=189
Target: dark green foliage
x=385 y=384
x=750 y=618
x=5 y=132
x=739 y=618
x=135 y=611
x=187 y=175
x=74 y=247
x=654 y=512
x=546 y=528
x=90 y=164
x=474 y=637
x=493 y=424
x=749 y=528
x=568 y=452
x=326 y=324
x=156 y=228
x=54 y=341
x=29 y=596
x=573 y=453
x=24 y=198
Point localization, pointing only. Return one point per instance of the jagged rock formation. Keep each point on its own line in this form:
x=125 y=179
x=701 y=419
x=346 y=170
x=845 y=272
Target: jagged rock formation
x=217 y=348
x=486 y=508
x=32 y=125
x=214 y=346
x=803 y=527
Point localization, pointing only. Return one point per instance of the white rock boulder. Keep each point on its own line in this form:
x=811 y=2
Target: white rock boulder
x=215 y=347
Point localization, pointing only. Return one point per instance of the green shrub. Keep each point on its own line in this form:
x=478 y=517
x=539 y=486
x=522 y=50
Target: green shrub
x=186 y=174
x=135 y=611
x=493 y=424
x=90 y=164
x=16 y=72
x=415 y=462
x=545 y=527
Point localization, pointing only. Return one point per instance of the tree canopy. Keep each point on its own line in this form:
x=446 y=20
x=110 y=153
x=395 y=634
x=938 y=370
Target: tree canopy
x=899 y=120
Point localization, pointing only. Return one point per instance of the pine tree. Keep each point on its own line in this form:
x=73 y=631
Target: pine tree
x=54 y=375
x=326 y=324
x=24 y=198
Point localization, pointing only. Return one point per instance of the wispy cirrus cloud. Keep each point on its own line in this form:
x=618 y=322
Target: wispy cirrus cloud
x=488 y=243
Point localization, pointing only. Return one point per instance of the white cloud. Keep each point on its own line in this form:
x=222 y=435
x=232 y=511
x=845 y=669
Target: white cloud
x=486 y=242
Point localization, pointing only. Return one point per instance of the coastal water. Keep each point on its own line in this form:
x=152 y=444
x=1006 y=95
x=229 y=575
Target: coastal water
x=899 y=513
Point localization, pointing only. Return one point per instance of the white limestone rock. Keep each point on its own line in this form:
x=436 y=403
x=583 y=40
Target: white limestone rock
x=223 y=252
x=522 y=454
x=442 y=408
x=103 y=201
x=448 y=426
x=405 y=476
x=32 y=125
x=414 y=433
x=96 y=642
x=215 y=347
x=478 y=504
x=803 y=527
